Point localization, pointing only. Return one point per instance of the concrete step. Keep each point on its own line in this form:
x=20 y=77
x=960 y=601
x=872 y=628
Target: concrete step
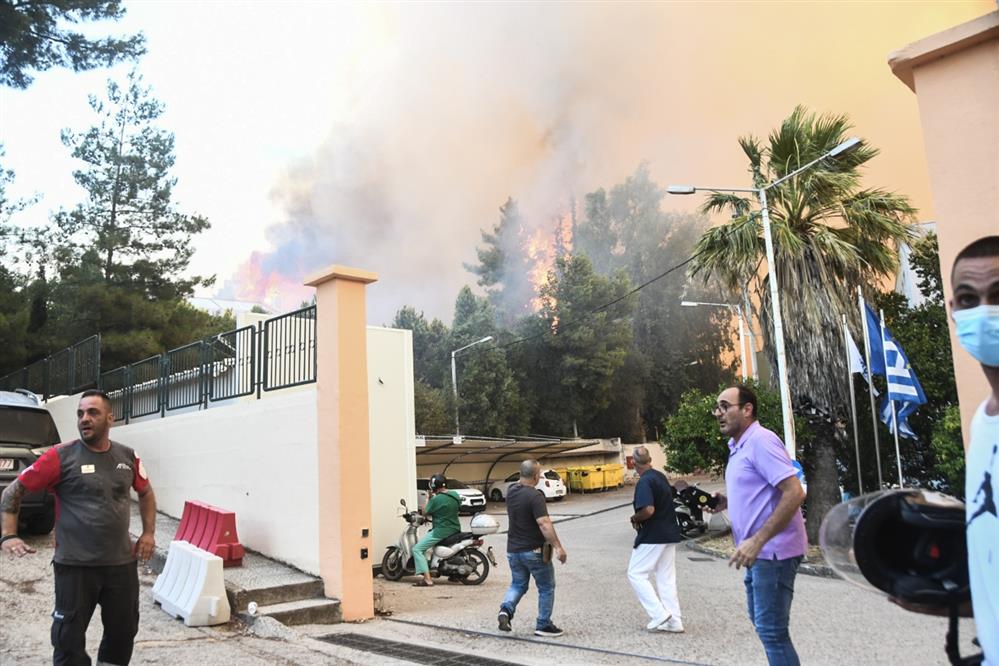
x=271 y=595
x=304 y=611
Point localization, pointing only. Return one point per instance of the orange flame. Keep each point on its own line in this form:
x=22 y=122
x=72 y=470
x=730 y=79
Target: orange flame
x=542 y=247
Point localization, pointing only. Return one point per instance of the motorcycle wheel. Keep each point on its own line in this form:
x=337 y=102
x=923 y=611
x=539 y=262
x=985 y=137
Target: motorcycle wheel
x=686 y=526
x=481 y=564
x=392 y=567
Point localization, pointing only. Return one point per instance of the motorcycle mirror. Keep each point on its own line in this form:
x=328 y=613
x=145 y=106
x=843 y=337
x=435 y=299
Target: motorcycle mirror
x=402 y=502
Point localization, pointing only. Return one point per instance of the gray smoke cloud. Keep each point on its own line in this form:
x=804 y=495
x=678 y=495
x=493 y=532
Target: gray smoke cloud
x=466 y=105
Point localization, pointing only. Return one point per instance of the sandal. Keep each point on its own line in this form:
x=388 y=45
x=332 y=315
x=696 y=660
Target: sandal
x=423 y=583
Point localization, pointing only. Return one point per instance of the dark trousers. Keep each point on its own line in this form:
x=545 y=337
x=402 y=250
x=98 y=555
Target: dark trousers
x=78 y=591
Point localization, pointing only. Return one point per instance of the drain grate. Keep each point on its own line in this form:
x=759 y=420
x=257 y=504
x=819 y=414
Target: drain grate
x=409 y=652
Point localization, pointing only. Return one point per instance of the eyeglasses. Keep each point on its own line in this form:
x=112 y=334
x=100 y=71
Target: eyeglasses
x=723 y=407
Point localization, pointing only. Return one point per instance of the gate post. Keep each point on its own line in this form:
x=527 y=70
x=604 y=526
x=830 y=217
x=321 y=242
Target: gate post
x=343 y=458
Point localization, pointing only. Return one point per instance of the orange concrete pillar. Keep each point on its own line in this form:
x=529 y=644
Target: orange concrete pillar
x=343 y=461
x=955 y=75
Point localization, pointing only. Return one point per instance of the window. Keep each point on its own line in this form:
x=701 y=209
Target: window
x=550 y=474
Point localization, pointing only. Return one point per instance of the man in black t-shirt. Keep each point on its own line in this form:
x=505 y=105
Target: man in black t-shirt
x=530 y=531
x=654 y=554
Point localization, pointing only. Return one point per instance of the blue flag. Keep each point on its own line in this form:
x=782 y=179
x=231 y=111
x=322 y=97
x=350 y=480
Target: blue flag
x=874 y=341
x=903 y=387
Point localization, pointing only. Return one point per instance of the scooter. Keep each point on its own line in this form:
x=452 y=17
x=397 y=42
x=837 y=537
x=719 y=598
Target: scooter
x=458 y=556
x=688 y=504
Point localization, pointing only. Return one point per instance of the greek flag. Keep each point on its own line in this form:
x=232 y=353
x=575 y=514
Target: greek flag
x=903 y=387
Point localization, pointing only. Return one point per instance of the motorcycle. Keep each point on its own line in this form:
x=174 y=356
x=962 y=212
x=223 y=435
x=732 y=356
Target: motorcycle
x=458 y=556
x=688 y=504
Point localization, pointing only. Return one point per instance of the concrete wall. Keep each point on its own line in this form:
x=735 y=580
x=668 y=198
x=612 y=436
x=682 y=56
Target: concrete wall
x=955 y=75
x=255 y=458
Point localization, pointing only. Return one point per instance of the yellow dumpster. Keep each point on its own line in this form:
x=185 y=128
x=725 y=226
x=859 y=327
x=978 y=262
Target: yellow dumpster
x=592 y=478
x=563 y=473
x=576 y=479
x=613 y=476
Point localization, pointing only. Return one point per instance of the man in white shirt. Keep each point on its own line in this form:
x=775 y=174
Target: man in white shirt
x=974 y=306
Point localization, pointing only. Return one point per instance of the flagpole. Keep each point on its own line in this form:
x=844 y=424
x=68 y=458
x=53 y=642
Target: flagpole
x=870 y=385
x=894 y=417
x=853 y=403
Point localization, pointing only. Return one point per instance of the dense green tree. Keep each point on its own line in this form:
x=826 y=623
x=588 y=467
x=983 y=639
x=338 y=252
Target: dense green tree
x=829 y=235
x=34 y=37
x=128 y=225
x=626 y=229
x=584 y=334
x=489 y=399
x=691 y=438
x=505 y=266
x=433 y=409
x=431 y=347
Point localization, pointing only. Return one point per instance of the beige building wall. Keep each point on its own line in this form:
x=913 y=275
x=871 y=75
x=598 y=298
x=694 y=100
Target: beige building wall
x=955 y=75
x=392 y=422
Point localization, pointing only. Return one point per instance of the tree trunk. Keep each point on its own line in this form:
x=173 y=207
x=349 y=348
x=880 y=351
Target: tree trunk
x=823 y=481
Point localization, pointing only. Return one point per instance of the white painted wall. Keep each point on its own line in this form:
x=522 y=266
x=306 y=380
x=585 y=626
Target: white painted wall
x=392 y=424
x=256 y=457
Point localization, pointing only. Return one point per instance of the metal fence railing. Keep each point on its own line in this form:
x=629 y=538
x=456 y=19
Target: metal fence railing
x=65 y=372
x=278 y=353
x=289 y=349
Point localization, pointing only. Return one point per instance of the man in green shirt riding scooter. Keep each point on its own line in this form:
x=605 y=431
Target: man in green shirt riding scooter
x=442 y=507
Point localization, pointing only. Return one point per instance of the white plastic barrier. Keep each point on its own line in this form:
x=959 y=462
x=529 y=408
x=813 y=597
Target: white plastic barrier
x=192 y=587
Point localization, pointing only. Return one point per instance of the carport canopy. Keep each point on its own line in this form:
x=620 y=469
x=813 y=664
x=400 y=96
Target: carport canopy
x=445 y=450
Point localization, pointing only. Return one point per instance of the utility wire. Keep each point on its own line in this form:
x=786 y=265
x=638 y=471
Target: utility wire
x=585 y=316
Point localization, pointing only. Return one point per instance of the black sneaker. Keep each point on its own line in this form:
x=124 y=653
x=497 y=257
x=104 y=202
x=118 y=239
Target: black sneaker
x=549 y=631
x=504 y=621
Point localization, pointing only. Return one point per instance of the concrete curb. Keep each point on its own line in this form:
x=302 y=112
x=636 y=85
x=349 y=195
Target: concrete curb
x=820 y=570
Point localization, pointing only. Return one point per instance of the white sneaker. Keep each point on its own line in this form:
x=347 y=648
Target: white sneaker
x=655 y=624
x=672 y=625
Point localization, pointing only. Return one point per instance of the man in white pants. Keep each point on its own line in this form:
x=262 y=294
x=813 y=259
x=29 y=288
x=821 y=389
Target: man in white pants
x=654 y=555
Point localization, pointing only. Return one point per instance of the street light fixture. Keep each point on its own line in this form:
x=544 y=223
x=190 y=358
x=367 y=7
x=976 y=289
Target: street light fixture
x=454 y=381
x=761 y=193
x=737 y=311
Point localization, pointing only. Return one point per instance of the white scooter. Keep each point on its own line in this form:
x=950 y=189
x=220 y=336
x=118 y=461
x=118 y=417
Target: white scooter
x=456 y=557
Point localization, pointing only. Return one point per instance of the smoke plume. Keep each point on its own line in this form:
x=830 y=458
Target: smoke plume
x=456 y=107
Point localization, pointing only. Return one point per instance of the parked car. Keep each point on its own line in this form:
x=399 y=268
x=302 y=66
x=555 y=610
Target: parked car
x=551 y=485
x=26 y=432
x=472 y=500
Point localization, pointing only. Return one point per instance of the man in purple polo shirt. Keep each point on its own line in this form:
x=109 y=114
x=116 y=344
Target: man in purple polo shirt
x=764 y=503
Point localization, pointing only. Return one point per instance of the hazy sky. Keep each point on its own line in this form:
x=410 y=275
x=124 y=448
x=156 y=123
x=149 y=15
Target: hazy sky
x=385 y=136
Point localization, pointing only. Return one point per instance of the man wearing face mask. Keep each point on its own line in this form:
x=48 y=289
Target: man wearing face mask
x=974 y=307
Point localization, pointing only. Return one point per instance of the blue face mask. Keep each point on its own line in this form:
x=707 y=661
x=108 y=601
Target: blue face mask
x=978 y=333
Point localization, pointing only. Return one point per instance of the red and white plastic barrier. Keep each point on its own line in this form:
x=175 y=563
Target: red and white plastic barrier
x=213 y=529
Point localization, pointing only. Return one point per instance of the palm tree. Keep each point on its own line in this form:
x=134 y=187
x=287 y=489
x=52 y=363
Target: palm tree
x=829 y=236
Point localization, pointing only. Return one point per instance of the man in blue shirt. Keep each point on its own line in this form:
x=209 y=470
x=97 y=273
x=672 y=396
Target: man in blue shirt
x=654 y=554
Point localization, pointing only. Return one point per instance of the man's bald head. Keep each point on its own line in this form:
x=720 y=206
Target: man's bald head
x=530 y=470
x=641 y=456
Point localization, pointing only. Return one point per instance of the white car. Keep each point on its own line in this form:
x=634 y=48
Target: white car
x=551 y=485
x=472 y=500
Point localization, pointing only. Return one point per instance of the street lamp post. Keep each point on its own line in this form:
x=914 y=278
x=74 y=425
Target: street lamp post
x=737 y=311
x=454 y=380
x=761 y=193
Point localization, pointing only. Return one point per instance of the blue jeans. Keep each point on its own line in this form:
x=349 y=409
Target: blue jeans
x=769 y=590
x=522 y=567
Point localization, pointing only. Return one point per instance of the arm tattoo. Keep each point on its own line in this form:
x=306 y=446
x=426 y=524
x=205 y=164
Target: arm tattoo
x=10 y=501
